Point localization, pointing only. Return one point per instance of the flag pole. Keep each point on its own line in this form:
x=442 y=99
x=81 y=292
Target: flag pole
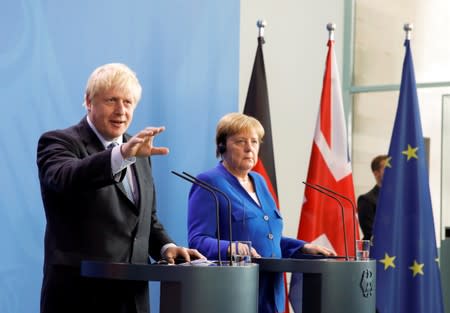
x=331 y=27
x=408 y=27
x=261 y=24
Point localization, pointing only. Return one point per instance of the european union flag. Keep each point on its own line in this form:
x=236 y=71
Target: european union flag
x=404 y=245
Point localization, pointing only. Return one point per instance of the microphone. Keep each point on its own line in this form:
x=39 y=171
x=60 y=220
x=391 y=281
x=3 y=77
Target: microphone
x=353 y=207
x=206 y=187
x=342 y=212
x=230 y=224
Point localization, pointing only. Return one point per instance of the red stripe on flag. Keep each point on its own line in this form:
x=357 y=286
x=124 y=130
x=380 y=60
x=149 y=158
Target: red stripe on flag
x=259 y=167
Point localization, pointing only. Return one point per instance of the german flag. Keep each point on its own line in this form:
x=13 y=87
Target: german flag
x=257 y=105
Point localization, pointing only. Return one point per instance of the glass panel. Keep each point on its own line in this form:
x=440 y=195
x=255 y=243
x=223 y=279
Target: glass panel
x=445 y=187
x=373 y=119
x=379 y=37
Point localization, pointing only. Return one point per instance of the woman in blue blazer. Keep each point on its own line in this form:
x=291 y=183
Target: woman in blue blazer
x=255 y=216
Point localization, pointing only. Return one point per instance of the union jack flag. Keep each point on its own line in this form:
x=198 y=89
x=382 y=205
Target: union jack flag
x=329 y=166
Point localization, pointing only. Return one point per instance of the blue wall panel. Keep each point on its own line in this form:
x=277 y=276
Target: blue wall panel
x=186 y=54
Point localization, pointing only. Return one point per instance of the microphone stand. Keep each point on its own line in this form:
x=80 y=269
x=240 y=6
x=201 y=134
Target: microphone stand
x=342 y=210
x=228 y=203
x=206 y=187
x=353 y=207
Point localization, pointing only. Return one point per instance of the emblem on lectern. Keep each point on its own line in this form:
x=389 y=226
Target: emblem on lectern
x=366 y=283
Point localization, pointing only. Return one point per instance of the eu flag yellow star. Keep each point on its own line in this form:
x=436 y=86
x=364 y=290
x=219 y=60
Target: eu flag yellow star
x=416 y=268
x=410 y=152
x=388 y=261
x=387 y=162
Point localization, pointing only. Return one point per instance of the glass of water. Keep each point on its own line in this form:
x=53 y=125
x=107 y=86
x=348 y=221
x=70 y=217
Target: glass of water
x=362 y=250
x=241 y=254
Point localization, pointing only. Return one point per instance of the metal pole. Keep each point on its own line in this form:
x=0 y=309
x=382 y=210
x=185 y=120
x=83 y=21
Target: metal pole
x=261 y=24
x=408 y=27
x=331 y=27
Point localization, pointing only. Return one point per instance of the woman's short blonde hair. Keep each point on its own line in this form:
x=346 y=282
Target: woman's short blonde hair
x=234 y=123
x=115 y=75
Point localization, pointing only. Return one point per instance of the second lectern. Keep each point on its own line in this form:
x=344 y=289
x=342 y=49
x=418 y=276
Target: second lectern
x=330 y=285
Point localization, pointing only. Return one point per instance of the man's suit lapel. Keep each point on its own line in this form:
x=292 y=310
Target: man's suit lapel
x=89 y=138
x=140 y=169
x=143 y=183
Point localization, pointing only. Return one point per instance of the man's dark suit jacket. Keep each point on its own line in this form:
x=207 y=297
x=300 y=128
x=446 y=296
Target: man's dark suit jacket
x=89 y=217
x=367 y=205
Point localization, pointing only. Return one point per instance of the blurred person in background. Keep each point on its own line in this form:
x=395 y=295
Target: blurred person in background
x=367 y=203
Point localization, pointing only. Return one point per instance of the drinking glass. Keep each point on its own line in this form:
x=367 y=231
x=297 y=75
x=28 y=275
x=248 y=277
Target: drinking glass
x=362 y=250
x=241 y=253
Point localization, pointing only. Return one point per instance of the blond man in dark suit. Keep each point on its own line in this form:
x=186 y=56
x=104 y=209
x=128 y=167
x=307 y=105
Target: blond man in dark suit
x=99 y=199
